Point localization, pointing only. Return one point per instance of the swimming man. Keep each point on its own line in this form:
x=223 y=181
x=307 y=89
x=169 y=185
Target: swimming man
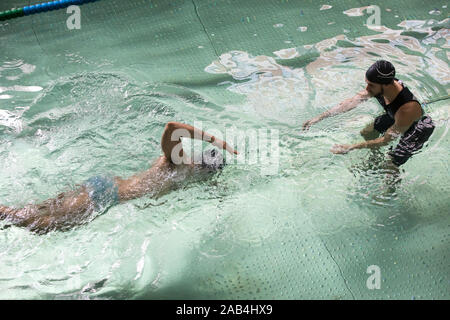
x=99 y=193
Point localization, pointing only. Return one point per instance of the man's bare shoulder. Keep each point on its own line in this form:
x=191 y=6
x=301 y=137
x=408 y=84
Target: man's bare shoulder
x=410 y=110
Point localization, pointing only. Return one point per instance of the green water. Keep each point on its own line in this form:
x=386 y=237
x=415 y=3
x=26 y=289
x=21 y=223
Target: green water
x=77 y=103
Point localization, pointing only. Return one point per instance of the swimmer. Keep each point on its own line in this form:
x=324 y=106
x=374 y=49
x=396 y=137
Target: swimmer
x=403 y=117
x=101 y=192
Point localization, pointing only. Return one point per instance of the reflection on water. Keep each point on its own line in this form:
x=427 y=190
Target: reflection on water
x=341 y=65
x=272 y=89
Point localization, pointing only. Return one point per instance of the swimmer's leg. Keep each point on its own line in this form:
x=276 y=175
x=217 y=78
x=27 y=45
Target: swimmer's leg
x=66 y=210
x=369 y=132
x=392 y=173
x=375 y=156
x=70 y=203
x=5 y=212
x=29 y=217
x=9 y=213
x=373 y=131
x=390 y=183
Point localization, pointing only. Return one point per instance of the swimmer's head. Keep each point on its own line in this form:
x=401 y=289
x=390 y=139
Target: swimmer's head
x=212 y=160
x=380 y=73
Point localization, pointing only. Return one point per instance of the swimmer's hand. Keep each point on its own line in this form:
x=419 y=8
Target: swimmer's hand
x=223 y=145
x=341 y=148
x=309 y=123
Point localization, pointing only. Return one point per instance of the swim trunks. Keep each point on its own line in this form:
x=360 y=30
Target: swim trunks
x=415 y=137
x=411 y=141
x=103 y=192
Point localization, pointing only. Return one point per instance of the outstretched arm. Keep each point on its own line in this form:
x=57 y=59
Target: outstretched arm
x=342 y=107
x=171 y=140
x=404 y=118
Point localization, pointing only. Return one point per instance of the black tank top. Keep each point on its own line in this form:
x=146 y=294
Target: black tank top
x=403 y=97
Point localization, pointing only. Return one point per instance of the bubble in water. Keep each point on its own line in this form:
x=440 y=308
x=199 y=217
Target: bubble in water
x=435 y=12
x=326 y=7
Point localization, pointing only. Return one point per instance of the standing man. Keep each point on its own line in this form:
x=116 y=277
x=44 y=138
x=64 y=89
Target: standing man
x=403 y=116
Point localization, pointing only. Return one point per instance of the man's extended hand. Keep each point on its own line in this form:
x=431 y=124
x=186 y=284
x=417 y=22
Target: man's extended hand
x=309 y=123
x=341 y=148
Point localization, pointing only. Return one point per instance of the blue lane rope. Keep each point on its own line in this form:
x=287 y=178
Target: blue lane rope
x=39 y=8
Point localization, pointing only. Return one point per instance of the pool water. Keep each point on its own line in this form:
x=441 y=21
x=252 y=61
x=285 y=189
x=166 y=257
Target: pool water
x=78 y=103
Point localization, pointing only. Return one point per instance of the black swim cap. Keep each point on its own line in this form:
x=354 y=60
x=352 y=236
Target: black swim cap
x=212 y=159
x=382 y=72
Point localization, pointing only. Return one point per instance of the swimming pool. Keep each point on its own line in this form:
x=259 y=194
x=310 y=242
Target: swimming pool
x=79 y=102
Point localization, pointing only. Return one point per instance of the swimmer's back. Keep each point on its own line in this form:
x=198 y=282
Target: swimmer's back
x=155 y=181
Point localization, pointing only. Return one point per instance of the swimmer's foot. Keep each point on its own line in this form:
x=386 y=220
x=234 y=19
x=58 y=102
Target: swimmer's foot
x=8 y=212
x=3 y=215
x=3 y=212
x=392 y=180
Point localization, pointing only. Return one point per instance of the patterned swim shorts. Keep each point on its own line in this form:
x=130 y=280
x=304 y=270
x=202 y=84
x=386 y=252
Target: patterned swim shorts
x=103 y=192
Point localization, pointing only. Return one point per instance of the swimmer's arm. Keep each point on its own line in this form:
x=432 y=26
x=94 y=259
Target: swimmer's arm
x=174 y=131
x=342 y=107
x=404 y=118
x=389 y=135
x=346 y=105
